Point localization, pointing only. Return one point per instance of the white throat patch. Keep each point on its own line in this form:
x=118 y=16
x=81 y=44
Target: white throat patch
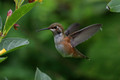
x=58 y=38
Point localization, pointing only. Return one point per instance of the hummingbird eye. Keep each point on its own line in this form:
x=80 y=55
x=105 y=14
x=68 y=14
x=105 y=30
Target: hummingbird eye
x=55 y=27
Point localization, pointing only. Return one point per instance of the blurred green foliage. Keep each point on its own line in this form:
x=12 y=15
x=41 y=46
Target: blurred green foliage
x=103 y=48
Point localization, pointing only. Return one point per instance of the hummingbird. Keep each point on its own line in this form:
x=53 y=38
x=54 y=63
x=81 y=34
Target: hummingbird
x=66 y=41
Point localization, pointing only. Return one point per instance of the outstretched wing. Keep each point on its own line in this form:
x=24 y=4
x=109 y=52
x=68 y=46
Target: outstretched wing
x=84 y=34
x=72 y=28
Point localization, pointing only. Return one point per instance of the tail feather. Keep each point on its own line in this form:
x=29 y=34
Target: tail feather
x=79 y=54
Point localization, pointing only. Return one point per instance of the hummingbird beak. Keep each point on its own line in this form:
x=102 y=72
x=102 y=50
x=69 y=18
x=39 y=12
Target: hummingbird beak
x=42 y=29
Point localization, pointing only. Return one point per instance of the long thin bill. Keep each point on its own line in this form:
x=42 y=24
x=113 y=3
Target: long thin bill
x=42 y=29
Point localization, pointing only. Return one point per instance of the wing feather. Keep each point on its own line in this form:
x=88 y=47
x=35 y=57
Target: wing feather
x=83 y=34
x=72 y=28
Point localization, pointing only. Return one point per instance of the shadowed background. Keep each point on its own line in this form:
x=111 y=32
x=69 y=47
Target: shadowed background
x=103 y=48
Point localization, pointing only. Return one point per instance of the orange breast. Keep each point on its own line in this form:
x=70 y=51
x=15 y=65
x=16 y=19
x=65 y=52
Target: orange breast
x=67 y=45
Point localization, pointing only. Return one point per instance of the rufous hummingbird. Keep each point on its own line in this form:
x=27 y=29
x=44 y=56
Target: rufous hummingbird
x=65 y=42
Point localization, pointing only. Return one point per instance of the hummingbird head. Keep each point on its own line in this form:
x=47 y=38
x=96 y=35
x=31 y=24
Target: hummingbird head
x=56 y=28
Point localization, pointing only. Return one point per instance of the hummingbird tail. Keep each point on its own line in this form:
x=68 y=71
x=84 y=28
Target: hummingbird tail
x=80 y=55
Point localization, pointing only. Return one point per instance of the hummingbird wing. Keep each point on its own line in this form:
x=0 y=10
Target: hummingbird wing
x=83 y=34
x=72 y=28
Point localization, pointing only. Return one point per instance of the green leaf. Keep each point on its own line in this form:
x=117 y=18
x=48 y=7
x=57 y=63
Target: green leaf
x=2 y=59
x=41 y=76
x=17 y=15
x=6 y=78
x=0 y=23
x=11 y=44
x=114 y=6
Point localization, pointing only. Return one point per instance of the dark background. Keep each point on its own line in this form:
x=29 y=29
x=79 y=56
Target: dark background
x=103 y=48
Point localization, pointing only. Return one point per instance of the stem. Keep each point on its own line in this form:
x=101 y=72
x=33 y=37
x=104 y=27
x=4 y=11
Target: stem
x=1 y=39
x=5 y=23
